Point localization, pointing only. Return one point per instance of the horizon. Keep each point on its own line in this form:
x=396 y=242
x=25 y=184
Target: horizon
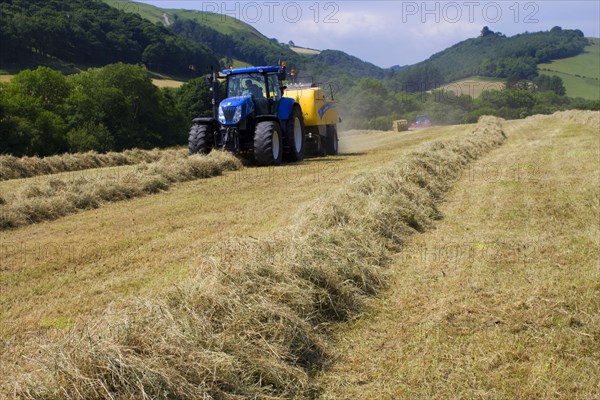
x=425 y=28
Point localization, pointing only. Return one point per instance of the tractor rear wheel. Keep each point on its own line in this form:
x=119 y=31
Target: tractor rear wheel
x=268 y=143
x=198 y=139
x=294 y=136
x=321 y=150
x=331 y=142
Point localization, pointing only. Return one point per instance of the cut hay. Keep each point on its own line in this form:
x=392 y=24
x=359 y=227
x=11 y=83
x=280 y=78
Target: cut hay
x=590 y=118
x=26 y=167
x=253 y=326
x=58 y=197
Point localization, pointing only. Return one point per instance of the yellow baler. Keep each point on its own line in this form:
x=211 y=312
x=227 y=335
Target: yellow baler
x=320 y=118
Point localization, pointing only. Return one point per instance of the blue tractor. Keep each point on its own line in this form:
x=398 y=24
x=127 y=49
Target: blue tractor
x=254 y=117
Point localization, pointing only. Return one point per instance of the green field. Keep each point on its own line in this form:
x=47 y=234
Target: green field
x=581 y=74
x=237 y=63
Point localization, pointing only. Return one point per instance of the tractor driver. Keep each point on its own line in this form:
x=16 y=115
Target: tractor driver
x=253 y=89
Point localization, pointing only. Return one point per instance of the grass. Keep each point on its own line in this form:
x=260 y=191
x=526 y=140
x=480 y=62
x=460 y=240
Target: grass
x=580 y=74
x=72 y=268
x=474 y=86
x=240 y=64
x=587 y=88
x=216 y=18
x=25 y=167
x=58 y=197
x=501 y=300
x=77 y=265
x=248 y=325
x=222 y=23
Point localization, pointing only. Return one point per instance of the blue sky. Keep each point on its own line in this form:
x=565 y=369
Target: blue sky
x=387 y=33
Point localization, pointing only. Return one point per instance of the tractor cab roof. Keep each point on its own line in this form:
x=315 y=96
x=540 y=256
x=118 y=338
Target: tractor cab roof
x=252 y=70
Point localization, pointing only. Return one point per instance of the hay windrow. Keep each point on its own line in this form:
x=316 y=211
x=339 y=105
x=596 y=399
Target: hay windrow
x=591 y=118
x=58 y=197
x=585 y=117
x=253 y=324
x=26 y=167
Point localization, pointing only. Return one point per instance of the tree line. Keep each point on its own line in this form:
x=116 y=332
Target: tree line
x=373 y=104
x=117 y=107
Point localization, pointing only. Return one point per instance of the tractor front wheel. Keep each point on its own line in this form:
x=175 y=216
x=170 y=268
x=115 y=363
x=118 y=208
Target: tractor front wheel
x=268 y=143
x=294 y=136
x=198 y=139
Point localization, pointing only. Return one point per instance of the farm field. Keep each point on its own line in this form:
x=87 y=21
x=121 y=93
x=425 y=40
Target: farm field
x=579 y=73
x=65 y=273
x=165 y=217
x=501 y=300
x=305 y=51
x=167 y=83
x=70 y=269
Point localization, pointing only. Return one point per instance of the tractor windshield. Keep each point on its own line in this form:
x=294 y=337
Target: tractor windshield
x=246 y=84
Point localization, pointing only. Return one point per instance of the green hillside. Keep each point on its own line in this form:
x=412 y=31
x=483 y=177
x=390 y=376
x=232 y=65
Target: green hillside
x=494 y=55
x=91 y=33
x=221 y=23
x=580 y=74
x=350 y=64
x=72 y=36
x=239 y=44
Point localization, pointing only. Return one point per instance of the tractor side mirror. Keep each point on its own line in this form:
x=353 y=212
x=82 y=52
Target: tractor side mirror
x=282 y=75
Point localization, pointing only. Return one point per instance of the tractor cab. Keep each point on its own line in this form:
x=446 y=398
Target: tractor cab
x=255 y=90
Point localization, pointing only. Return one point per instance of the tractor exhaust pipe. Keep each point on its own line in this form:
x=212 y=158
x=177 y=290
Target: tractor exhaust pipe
x=214 y=88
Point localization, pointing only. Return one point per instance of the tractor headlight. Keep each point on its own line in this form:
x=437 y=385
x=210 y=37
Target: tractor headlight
x=221 y=115
x=237 y=116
